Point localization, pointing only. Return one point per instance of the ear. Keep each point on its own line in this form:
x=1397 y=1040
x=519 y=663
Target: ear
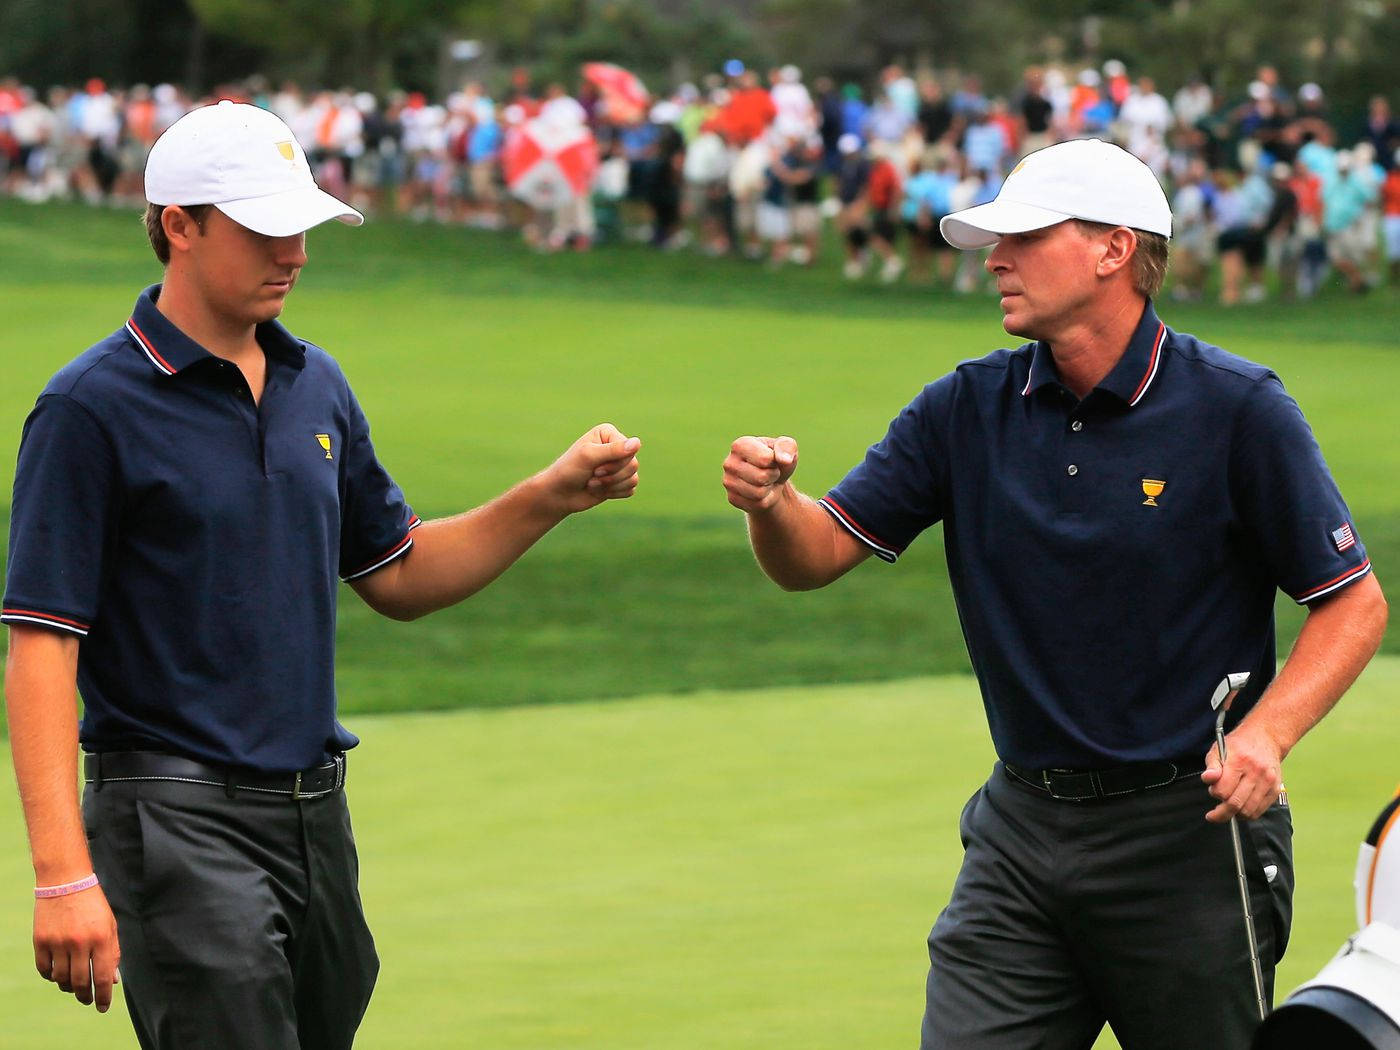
x=1118 y=251
x=180 y=228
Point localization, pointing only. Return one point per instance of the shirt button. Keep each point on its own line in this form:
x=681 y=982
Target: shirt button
x=1073 y=470
x=1077 y=425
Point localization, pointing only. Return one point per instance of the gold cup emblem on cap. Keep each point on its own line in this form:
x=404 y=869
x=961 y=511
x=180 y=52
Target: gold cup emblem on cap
x=288 y=154
x=1152 y=489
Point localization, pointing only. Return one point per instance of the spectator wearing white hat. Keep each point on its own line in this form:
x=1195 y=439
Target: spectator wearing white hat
x=1145 y=117
x=852 y=194
x=1194 y=247
x=1346 y=194
x=796 y=112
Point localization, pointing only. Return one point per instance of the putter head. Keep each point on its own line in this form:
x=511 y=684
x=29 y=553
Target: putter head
x=1228 y=689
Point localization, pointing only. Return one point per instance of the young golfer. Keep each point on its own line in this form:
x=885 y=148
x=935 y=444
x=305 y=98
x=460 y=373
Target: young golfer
x=189 y=492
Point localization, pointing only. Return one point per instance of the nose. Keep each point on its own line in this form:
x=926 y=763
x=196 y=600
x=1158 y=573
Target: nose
x=996 y=261
x=290 y=251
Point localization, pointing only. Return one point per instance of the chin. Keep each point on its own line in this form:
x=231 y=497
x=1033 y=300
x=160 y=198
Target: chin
x=270 y=309
x=1016 y=325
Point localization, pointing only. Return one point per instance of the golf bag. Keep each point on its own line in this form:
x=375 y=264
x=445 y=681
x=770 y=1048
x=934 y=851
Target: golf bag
x=1354 y=1003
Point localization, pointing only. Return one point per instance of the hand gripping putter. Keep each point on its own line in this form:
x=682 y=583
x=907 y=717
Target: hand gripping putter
x=1225 y=694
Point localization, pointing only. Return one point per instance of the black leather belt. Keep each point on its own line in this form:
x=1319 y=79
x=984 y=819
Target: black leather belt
x=118 y=766
x=1080 y=785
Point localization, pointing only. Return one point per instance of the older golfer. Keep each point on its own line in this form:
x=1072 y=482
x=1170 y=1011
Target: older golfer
x=188 y=491
x=1120 y=502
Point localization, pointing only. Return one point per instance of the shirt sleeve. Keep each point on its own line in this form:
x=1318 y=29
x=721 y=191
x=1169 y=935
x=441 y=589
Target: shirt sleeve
x=1289 y=503
x=376 y=522
x=897 y=491
x=61 y=518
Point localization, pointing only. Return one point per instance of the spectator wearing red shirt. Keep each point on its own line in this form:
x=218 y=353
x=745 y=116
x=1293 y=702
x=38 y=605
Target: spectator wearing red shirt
x=1390 y=216
x=883 y=192
x=748 y=112
x=1312 y=246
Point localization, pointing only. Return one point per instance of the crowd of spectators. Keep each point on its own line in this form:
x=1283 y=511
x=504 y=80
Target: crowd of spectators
x=1267 y=183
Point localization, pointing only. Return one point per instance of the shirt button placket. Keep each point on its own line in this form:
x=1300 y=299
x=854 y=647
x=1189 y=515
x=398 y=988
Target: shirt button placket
x=1072 y=470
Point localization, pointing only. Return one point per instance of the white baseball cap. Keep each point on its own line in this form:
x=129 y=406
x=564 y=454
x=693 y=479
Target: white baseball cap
x=1081 y=179
x=246 y=162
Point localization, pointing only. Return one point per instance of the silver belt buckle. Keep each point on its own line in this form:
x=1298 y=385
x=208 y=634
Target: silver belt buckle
x=296 y=788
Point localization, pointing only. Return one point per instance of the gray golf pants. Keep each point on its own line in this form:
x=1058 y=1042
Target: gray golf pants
x=1069 y=915
x=239 y=918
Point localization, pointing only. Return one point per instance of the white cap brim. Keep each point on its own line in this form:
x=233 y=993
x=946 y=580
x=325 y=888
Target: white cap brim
x=289 y=212
x=980 y=227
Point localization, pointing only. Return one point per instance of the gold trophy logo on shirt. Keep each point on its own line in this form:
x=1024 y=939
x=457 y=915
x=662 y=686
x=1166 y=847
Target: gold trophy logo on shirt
x=325 y=442
x=1152 y=489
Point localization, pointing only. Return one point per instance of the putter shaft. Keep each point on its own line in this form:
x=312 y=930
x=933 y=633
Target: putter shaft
x=1256 y=969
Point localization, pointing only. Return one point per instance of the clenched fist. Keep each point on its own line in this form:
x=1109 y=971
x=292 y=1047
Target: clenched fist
x=756 y=470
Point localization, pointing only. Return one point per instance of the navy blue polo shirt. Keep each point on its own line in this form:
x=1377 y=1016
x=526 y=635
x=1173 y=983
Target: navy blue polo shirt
x=1112 y=558
x=193 y=539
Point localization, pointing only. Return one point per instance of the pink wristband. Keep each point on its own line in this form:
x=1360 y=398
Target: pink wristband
x=43 y=892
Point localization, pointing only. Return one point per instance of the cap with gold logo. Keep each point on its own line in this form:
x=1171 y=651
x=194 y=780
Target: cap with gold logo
x=246 y=162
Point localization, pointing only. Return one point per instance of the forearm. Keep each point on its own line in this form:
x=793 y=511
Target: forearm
x=453 y=558
x=41 y=702
x=799 y=545
x=1337 y=640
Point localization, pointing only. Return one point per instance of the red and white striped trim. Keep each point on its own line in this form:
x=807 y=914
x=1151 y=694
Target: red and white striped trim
x=882 y=550
x=44 y=619
x=147 y=348
x=1334 y=584
x=397 y=551
x=1153 y=363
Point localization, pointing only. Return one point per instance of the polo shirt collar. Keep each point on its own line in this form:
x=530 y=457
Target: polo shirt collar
x=1130 y=379
x=171 y=351
x=1136 y=371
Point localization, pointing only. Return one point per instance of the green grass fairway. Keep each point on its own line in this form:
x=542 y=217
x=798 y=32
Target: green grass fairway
x=477 y=361
x=733 y=871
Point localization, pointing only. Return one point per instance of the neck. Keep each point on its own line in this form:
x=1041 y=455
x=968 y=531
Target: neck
x=230 y=338
x=1089 y=346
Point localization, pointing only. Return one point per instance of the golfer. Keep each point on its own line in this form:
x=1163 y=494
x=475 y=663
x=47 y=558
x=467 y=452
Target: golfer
x=1120 y=502
x=188 y=491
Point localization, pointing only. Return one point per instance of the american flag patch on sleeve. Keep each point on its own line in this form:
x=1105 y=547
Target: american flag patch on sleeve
x=1344 y=538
